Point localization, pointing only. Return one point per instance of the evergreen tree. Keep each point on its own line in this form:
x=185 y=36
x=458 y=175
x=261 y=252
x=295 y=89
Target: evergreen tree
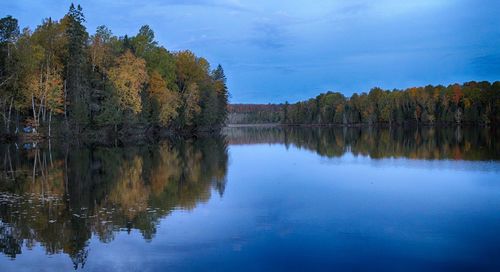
x=9 y=33
x=104 y=80
x=222 y=94
x=77 y=92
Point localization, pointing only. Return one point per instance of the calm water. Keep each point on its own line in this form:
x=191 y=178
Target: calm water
x=257 y=199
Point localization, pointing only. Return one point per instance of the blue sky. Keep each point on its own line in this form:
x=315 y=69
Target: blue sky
x=274 y=51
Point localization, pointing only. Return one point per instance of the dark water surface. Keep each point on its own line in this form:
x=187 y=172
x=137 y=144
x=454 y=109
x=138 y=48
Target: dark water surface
x=257 y=199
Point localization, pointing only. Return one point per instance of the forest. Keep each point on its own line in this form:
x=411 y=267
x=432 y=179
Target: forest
x=468 y=103
x=255 y=113
x=59 y=77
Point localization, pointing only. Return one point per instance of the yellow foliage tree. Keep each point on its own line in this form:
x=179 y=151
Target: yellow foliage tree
x=167 y=100
x=191 y=107
x=128 y=76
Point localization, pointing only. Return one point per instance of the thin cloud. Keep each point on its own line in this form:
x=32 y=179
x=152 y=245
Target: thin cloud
x=345 y=45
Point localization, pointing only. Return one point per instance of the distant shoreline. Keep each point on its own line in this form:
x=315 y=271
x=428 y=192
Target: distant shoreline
x=254 y=125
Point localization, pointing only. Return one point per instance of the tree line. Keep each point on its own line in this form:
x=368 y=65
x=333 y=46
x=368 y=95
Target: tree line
x=468 y=103
x=61 y=74
x=471 y=102
x=254 y=113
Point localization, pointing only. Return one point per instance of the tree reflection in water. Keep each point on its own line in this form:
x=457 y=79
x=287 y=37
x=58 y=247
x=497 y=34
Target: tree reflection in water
x=453 y=143
x=60 y=197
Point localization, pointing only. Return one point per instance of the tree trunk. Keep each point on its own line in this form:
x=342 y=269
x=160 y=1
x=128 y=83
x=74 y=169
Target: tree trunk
x=10 y=164
x=33 y=107
x=50 y=154
x=40 y=110
x=65 y=94
x=50 y=121
x=10 y=111
x=17 y=121
x=47 y=78
x=4 y=116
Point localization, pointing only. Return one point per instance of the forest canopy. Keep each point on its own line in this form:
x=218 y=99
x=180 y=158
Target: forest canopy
x=471 y=102
x=468 y=103
x=59 y=73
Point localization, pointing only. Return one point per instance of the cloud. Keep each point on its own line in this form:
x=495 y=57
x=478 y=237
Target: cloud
x=487 y=64
x=227 y=4
x=346 y=45
x=268 y=35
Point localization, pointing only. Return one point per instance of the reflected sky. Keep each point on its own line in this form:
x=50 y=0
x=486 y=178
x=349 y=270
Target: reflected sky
x=284 y=207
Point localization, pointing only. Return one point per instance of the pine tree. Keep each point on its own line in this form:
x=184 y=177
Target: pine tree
x=222 y=94
x=9 y=33
x=77 y=92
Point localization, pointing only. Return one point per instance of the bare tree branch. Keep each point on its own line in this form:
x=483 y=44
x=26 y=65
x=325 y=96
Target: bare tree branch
x=6 y=80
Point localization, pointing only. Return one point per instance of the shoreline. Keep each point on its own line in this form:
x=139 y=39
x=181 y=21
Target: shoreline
x=144 y=134
x=107 y=134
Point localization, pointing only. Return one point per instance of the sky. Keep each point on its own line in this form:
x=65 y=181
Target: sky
x=276 y=51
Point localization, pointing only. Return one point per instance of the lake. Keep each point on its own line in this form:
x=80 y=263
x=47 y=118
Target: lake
x=256 y=199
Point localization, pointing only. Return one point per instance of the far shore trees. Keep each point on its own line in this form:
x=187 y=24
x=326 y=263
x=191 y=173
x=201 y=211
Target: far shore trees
x=468 y=103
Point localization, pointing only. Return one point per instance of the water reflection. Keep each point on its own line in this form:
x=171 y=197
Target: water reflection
x=453 y=143
x=60 y=197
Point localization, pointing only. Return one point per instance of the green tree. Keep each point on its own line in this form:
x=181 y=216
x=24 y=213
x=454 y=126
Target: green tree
x=101 y=53
x=104 y=80
x=9 y=34
x=222 y=93
x=77 y=91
